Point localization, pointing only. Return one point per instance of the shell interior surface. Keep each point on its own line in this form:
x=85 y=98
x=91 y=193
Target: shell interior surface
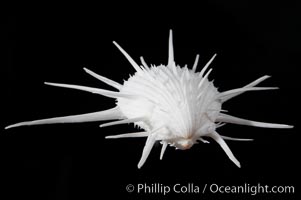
x=175 y=105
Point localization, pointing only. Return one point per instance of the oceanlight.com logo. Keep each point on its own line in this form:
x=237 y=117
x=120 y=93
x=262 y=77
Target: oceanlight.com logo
x=213 y=188
x=251 y=189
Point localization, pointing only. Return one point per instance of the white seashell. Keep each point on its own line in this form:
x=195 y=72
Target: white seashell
x=174 y=105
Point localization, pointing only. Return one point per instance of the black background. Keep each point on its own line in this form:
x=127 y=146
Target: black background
x=54 y=42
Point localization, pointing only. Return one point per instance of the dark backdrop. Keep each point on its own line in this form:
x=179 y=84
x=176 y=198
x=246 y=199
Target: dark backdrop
x=54 y=43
